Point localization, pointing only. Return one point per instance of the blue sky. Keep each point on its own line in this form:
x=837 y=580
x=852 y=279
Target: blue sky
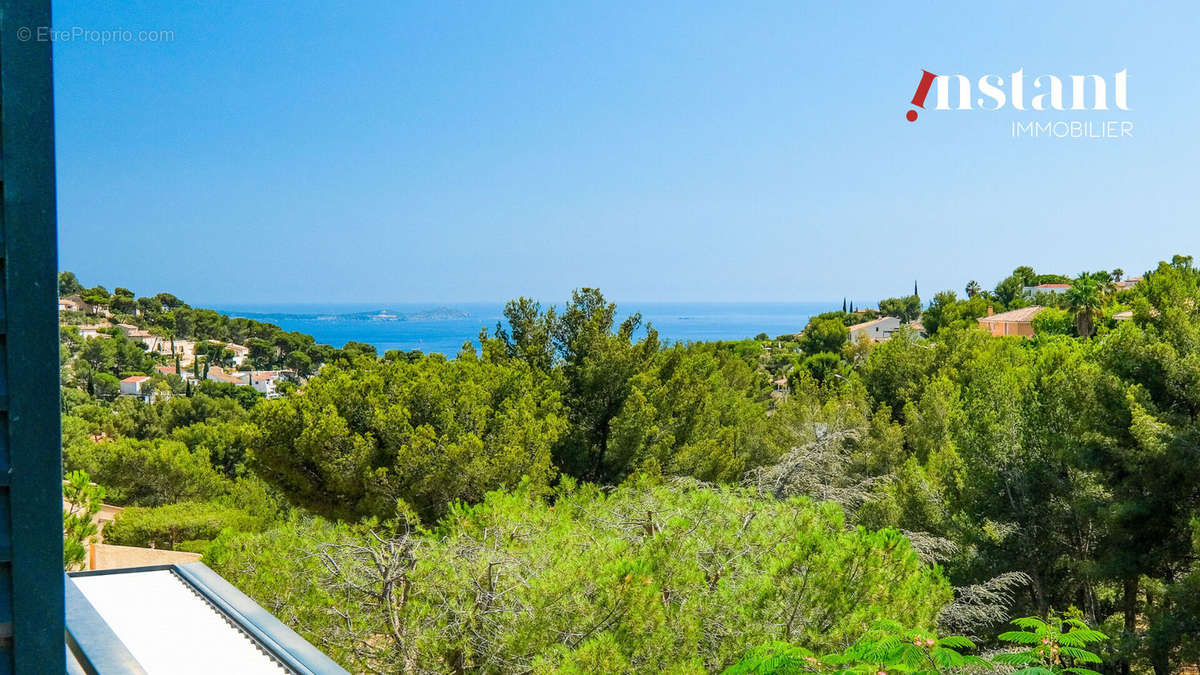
x=441 y=152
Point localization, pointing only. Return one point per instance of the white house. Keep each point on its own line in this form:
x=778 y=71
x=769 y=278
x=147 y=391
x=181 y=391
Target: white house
x=877 y=331
x=264 y=381
x=91 y=331
x=132 y=385
x=239 y=353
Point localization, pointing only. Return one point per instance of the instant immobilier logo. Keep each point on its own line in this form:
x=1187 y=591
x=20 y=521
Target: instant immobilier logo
x=1031 y=95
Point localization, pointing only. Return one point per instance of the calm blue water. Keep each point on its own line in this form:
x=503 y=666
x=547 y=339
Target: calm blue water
x=675 y=322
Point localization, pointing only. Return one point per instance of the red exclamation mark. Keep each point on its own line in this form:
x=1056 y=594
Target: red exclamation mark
x=922 y=91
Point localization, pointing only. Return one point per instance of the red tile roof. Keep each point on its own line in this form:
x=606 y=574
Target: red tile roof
x=1015 y=316
x=136 y=378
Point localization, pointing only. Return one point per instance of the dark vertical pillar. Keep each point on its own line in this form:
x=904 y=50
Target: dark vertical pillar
x=31 y=579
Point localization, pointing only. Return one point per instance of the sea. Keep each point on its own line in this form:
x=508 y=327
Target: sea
x=444 y=328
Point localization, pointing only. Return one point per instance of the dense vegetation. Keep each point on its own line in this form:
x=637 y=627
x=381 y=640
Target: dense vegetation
x=653 y=576
x=570 y=494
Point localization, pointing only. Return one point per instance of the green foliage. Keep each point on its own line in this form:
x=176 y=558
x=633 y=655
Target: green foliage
x=428 y=433
x=1013 y=286
x=906 y=309
x=1058 y=645
x=824 y=335
x=886 y=647
x=168 y=526
x=1085 y=298
x=1042 y=473
x=147 y=473
x=692 y=412
x=599 y=358
x=1053 y=321
x=68 y=285
x=675 y=576
x=83 y=503
x=1044 y=648
x=824 y=366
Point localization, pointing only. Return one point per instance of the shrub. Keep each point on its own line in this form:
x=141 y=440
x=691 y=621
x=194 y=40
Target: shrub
x=147 y=473
x=171 y=525
x=1053 y=321
x=676 y=577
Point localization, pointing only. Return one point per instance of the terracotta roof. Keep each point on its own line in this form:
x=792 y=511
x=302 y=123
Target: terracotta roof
x=1015 y=316
x=1053 y=286
x=136 y=378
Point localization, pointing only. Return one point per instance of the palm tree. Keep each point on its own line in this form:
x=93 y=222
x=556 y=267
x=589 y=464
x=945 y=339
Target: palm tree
x=1117 y=274
x=1085 y=298
x=973 y=288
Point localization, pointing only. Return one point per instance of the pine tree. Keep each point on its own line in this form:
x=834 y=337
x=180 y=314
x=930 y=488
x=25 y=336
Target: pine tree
x=843 y=305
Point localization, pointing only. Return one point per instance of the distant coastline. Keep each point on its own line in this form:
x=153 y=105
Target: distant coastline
x=433 y=327
x=436 y=314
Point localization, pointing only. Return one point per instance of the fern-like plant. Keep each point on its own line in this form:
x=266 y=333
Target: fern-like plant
x=888 y=647
x=1058 y=645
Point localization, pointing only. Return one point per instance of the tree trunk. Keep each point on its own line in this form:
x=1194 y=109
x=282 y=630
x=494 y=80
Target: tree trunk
x=1160 y=650
x=598 y=466
x=1039 y=596
x=1130 y=606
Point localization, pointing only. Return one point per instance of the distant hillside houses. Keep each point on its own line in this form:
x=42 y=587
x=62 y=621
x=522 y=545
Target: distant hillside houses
x=1128 y=283
x=1055 y=289
x=76 y=303
x=184 y=352
x=1062 y=288
x=264 y=382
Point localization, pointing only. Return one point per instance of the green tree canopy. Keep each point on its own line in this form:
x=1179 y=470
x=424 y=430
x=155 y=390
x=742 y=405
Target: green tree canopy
x=427 y=433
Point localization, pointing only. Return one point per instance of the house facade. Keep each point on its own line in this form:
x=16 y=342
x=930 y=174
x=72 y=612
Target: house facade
x=877 y=331
x=1015 y=322
x=132 y=385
